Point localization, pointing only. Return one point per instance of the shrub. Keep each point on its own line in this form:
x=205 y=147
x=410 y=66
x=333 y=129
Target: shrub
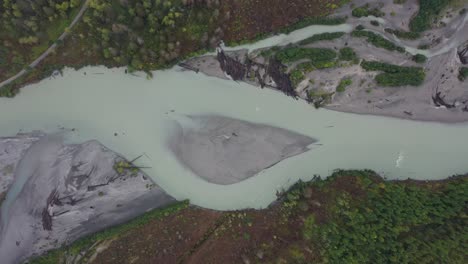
x=377 y=40
x=359 y=27
x=365 y=11
x=375 y=23
x=424 y=46
x=463 y=73
x=395 y=75
x=343 y=84
x=403 y=34
x=323 y=36
x=427 y=10
x=316 y=55
x=419 y=58
x=296 y=76
x=348 y=54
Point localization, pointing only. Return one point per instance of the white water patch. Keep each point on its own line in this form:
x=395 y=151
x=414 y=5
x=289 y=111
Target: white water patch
x=139 y=111
x=400 y=159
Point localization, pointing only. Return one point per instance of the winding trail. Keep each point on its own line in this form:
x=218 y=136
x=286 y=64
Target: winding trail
x=50 y=49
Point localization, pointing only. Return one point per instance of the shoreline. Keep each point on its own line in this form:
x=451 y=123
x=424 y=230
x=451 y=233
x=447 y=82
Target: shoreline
x=208 y=70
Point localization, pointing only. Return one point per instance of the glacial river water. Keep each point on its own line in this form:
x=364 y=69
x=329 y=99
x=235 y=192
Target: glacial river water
x=132 y=116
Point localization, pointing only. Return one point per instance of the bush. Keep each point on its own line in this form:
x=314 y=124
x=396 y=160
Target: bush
x=296 y=76
x=419 y=58
x=360 y=27
x=343 y=84
x=323 y=36
x=463 y=73
x=427 y=10
x=395 y=75
x=365 y=11
x=375 y=23
x=400 y=79
x=317 y=56
x=404 y=34
x=377 y=40
x=348 y=54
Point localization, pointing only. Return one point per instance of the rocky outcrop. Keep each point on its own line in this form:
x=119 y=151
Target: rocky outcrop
x=58 y=193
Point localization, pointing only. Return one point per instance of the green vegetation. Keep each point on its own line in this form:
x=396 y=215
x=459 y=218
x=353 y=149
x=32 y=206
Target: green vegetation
x=343 y=84
x=352 y=216
x=428 y=9
x=419 y=58
x=404 y=34
x=319 y=57
x=390 y=222
x=395 y=75
x=323 y=36
x=377 y=40
x=55 y=256
x=296 y=76
x=365 y=11
x=348 y=54
x=463 y=73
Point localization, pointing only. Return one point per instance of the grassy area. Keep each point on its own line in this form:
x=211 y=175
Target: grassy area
x=56 y=256
x=394 y=75
x=428 y=9
x=377 y=40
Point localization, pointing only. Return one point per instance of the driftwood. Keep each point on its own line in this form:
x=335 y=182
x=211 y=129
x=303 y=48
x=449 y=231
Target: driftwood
x=46 y=217
x=276 y=71
x=463 y=55
x=231 y=66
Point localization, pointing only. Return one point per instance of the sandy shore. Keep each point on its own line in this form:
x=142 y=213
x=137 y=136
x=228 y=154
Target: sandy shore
x=224 y=151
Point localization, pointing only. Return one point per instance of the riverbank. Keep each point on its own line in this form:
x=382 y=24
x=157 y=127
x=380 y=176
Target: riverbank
x=298 y=227
x=197 y=27
x=440 y=97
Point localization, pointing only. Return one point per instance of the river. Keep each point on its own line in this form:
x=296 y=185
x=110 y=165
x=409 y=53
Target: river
x=132 y=115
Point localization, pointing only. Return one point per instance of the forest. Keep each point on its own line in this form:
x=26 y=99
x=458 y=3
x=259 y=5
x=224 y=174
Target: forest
x=349 y=217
